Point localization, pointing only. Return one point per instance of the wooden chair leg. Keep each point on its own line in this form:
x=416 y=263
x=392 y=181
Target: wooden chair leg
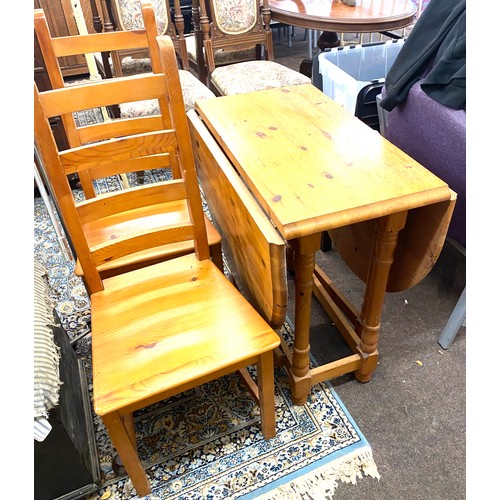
x=119 y=433
x=128 y=422
x=265 y=381
x=249 y=383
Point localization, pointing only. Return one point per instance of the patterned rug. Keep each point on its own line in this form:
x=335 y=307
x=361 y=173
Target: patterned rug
x=206 y=443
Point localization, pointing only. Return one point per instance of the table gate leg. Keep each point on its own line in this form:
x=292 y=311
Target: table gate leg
x=304 y=259
x=385 y=240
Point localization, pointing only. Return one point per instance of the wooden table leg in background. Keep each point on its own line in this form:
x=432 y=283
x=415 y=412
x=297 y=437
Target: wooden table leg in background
x=386 y=237
x=304 y=249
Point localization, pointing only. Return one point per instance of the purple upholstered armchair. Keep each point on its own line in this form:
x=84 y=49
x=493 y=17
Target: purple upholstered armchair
x=434 y=135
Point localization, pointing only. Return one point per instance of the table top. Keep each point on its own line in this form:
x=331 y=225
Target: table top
x=333 y=15
x=312 y=165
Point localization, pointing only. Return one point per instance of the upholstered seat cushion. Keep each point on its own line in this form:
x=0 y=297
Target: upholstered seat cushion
x=192 y=91
x=134 y=65
x=250 y=76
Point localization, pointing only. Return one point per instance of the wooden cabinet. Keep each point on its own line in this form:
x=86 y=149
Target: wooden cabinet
x=66 y=463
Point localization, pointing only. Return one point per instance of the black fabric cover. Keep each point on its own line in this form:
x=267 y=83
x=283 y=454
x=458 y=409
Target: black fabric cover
x=435 y=52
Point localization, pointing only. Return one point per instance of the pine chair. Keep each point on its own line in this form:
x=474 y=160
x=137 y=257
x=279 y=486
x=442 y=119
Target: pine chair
x=242 y=27
x=126 y=15
x=102 y=230
x=168 y=327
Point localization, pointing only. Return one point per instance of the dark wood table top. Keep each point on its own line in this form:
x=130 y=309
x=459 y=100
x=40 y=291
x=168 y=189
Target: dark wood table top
x=333 y=15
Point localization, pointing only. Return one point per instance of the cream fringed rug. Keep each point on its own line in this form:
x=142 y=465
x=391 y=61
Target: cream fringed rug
x=206 y=443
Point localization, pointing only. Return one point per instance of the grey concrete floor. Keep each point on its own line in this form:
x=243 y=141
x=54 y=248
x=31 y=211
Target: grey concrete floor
x=413 y=411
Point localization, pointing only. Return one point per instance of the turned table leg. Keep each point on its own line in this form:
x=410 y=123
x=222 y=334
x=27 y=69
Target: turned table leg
x=304 y=249
x=385 y=240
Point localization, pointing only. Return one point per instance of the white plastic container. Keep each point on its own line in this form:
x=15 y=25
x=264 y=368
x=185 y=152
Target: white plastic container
x=346 y=70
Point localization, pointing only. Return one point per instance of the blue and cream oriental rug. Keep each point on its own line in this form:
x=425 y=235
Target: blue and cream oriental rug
x=206 y=443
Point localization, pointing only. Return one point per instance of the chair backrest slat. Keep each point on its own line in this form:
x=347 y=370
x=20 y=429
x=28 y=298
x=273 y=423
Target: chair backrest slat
x=131 y=199
x=117 y=128
x=140 y=145
x=103 y=93
x=121 y=247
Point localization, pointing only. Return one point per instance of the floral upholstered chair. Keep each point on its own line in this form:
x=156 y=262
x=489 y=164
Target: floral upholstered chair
x=128 y=16
x=242 y=25
x=196 y=52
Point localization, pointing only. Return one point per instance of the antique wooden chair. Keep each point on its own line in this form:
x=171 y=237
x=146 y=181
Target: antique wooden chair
x=196 y=52
x=242 y=27
x=126 y=15
x=102 y=230
x=167 y=327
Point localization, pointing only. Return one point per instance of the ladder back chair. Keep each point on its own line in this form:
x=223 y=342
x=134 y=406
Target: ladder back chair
x=168 y=327
x=236 y=27
x=102 y=230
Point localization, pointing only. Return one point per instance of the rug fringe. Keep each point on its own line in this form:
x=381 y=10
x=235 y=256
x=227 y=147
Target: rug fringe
x=321 y=483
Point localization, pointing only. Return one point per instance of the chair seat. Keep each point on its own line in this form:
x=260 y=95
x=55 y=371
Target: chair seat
x=221 y=56
x=134 y=65
x=251 y=76
x=105 y=230
x=192 y=91
x=148 y=346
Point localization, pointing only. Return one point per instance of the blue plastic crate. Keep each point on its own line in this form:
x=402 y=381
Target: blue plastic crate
x=347 y=70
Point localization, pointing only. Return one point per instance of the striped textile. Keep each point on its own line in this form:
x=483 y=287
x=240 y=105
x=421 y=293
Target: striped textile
x=46 y=354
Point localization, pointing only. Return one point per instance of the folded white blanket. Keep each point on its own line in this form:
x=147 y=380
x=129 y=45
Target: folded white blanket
x=46 y=355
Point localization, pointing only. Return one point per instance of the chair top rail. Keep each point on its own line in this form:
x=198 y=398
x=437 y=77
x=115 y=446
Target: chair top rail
x=99 y=42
